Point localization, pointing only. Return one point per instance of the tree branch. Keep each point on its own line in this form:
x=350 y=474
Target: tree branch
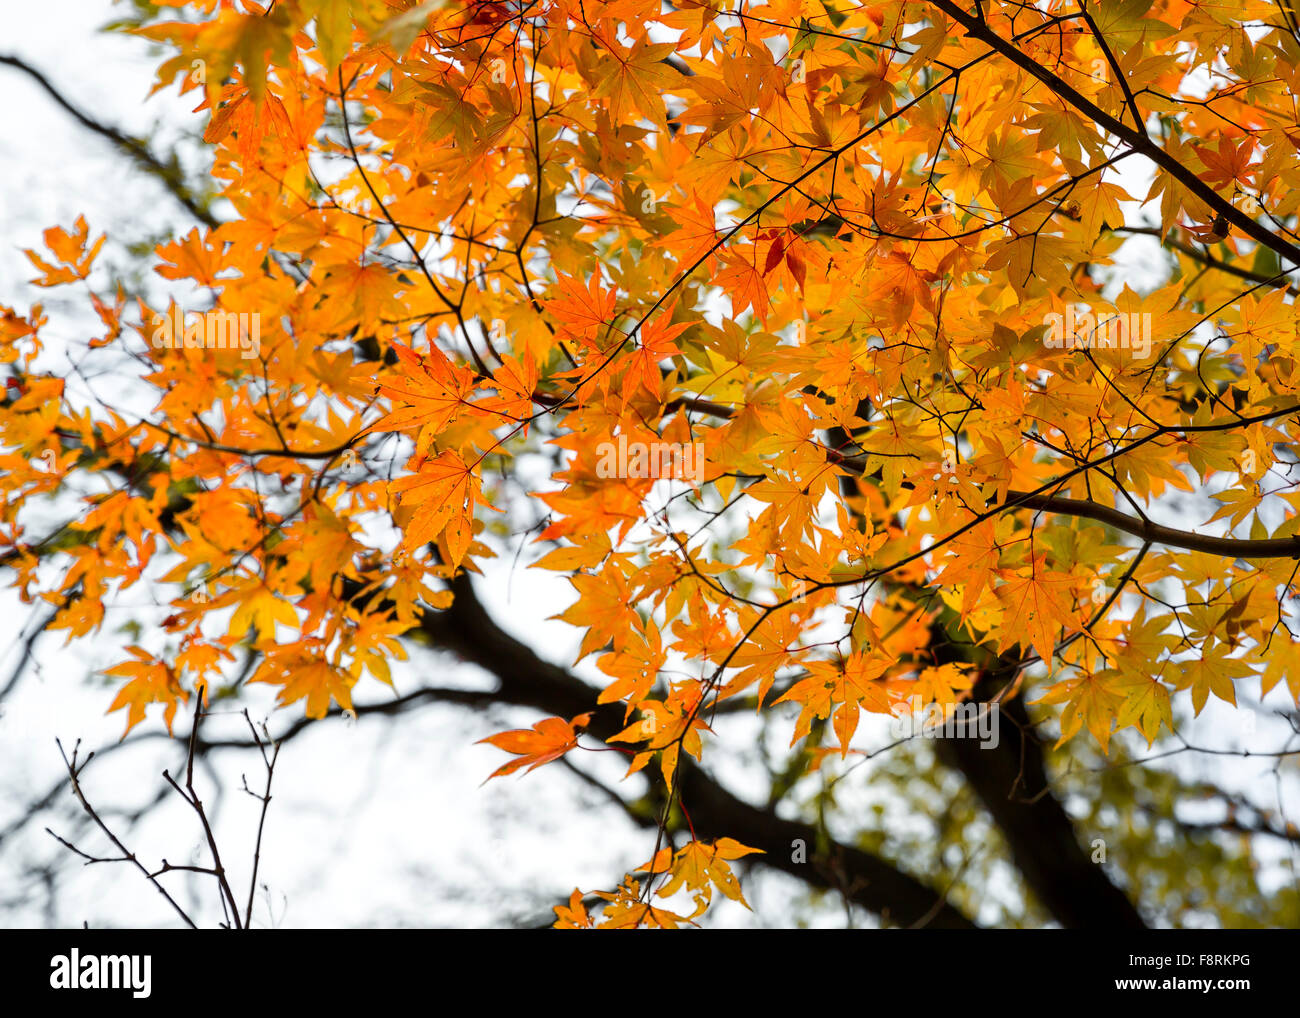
x=466 y=629
x=1138 y=140
x=168 y=173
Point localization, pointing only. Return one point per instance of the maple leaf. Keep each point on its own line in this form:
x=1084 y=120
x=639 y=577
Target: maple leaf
x=515 y=382
x=1038 y=604
x=635 y=667
x=69 y=249
x=699 y=867
x=696 y=234
x=259 y=609
x=601 y=609
x=633 y=79
x=429 y=395
x=1283 y=663
x=198 y=258
x=366 y=291
x=318 y=682
x=844 y=688
x=444 y=492
x=573 y=917
x=1228 y=162
x=548 y=740
x=971 y=559
x=656 y=345
x=152 y=681
x=1213 y=671
x=1090 y=699
x=1146 y=707
x=251 y=41
x=584 y=312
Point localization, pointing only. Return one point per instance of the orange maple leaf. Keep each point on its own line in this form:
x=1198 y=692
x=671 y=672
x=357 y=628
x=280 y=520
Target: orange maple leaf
x=548 y=740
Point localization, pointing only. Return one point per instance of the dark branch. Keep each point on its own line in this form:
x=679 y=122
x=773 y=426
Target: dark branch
x=168 y=173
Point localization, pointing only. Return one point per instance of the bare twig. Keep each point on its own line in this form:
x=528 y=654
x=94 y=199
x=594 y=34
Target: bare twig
x=192 y=797
x=168 y=173
x=217 y=870
x=265 y=798
x=74 y=776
